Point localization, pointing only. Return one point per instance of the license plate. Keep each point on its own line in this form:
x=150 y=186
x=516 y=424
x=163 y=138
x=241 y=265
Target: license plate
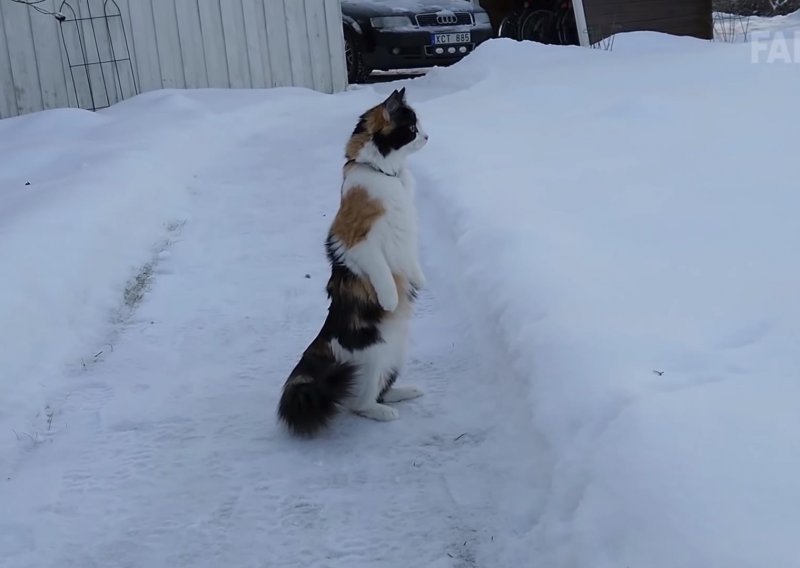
x=442 y=39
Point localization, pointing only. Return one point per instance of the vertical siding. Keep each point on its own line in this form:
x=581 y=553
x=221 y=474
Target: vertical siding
x=317 y=32
x=190 y=36
x=298 y=42
x=22 y=57
x=333 y=19
x=235 y=44
x=280 y=55
x=52 y=72
x=142 y=35
x=8 y=99
x=168 y=44
x=214 y=51
x=255 y=34
x=172 y=44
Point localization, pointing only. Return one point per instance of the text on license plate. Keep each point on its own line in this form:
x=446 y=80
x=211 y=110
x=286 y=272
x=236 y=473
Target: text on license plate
x=464 y=37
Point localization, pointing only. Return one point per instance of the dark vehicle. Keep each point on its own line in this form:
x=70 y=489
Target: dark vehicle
x=408 y=34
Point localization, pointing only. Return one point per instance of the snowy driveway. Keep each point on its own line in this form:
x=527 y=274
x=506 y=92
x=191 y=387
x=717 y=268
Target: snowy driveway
x=169 y=453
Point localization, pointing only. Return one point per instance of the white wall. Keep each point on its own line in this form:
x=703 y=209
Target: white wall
x=173 y=44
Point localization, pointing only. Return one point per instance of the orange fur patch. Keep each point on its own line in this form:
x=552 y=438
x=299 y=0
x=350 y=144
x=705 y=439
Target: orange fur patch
x=355 y=144
x=375 y=120
x=357 y=213
x=378 y=119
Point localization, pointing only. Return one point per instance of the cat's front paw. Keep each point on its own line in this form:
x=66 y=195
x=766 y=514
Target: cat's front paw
x=418 y=280
x=388 y=298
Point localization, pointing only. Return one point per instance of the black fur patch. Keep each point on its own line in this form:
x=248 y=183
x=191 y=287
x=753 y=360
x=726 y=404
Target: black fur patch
x=334 y=258
x=314 y=388
x=352 y=319
x=404 y=121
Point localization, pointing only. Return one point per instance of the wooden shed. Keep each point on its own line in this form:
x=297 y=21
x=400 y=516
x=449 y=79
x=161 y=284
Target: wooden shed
x=93 y=53
x=677 y=17
x=587 y=22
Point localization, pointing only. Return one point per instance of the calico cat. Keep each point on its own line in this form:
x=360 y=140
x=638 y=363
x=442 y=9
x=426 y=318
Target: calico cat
x=371 y=246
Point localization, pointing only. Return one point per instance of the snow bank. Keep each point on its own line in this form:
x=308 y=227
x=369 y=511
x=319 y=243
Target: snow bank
x=626 y=222
x=757 y=28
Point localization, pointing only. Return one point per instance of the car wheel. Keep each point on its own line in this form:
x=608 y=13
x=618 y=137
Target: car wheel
x=568 y=30
x=509 y=27
x=357 y=71
x=538 y=26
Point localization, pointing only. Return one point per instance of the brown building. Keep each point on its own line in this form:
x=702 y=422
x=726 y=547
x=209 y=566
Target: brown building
x=586 y=22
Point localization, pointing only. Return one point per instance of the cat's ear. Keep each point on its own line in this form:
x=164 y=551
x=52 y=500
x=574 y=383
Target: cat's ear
x=400 y=96
x=395 y=100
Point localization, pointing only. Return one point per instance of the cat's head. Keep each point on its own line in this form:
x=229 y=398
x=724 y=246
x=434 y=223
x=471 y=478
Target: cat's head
x=386 y=134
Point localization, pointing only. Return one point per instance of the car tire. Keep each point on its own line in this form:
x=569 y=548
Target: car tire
x=538 y=26
x=357 y=71
x=509 y=27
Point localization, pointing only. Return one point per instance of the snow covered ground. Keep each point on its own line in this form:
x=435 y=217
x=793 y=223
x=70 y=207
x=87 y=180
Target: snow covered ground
x=608 y=342
x=738 y=28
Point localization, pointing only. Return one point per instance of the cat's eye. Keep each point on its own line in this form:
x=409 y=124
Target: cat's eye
x=413 y=128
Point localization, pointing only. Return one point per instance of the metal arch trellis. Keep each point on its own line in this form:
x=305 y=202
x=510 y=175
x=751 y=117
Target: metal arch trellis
x=85 y=26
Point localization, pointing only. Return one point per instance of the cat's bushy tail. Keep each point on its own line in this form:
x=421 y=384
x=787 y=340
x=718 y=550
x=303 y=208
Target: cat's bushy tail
x=313 y=390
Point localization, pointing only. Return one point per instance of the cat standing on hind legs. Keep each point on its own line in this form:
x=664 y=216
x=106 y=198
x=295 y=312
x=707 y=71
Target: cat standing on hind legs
x=356 y=357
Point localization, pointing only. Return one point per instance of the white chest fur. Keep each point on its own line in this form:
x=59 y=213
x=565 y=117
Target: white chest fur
x=394 y=234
